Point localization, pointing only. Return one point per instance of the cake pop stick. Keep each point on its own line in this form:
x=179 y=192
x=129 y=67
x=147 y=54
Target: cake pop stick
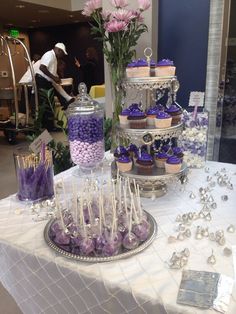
x=82 y=214
x=100 y=212
x=139 y=202
x=134 y=209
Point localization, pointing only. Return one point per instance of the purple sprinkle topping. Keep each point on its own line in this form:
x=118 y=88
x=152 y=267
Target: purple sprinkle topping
x=163 y=115
x=165 y=62
x=173 y=160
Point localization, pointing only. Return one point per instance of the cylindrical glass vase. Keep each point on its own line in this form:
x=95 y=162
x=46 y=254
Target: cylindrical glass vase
x=85 y=130
x=34 y=174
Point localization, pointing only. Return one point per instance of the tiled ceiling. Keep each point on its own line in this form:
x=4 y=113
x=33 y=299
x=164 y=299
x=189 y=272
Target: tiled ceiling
x=14 y=13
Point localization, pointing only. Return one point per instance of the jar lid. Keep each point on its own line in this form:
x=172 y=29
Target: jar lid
x=83 y=103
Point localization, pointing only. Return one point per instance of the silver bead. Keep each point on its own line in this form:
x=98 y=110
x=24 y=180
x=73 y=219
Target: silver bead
x=183 y=261
x=208 y=217
x=211 y=259
x=185 y=252
x=210 y=199
x=212 y=184
x=190 y=216
x=209 y=178
x=219 y=234
x=231 y=229
x=178 y=218
x=212 y=236
x=181 y=227
x=205 y=232
x=221 y=241
x=230 y=186
x=201 y=214
x=180 y=236
x=195 y=216
x=227 y=251
x=221 y=181
x=187 y=233
x=192 y=195
x=207 y=169
x=213 y=205
x=224 y=198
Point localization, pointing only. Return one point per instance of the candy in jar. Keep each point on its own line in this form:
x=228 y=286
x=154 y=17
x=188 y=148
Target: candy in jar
x=85 y=130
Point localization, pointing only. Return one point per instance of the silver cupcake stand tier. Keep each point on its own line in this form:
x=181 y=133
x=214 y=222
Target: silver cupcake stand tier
x=151 y=83
x=99 y=259
x=154 y=185
x=149 y=135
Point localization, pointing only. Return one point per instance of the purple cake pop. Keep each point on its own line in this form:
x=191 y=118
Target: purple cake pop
x=62 y=238
x=141 y=230
x=86 y=246
x=130 y=241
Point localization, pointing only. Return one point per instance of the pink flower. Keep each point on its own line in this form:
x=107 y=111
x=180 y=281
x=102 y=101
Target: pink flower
x=119 y=3
x=91 y=6
x=106 y=15
x=144 y=4
x=115 y=26
x=123 y=15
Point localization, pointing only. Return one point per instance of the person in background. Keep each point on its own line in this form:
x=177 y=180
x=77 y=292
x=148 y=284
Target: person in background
x=47 y=78
x=90 y=68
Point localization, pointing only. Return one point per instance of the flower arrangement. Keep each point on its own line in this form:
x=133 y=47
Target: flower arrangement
x=119 y=31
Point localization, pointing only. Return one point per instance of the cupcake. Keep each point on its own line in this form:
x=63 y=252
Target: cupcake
x=137 y=119
x=124 y=163
x=144 y=163
x=175 y=112
x=120 y=151
x=134 y=106
x=160 y=159
x=151 y=115
x=165 y=67
x=138 y=68
x=132 y=150
x=177 y=151
x=173 y=164
x=163 y=120
x=123 y=117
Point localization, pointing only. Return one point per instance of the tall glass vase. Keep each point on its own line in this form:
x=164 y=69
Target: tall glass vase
x=117 y=93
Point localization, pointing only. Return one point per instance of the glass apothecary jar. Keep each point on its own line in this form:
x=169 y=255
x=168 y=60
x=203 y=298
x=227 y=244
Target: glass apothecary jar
x=34 y=173
x=85 y=130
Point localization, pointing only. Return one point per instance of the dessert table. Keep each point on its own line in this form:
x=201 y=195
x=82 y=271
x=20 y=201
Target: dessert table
x=41 y=281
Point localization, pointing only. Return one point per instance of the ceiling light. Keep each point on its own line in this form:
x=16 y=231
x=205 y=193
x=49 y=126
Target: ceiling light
x=20 y=6
x=34 y=21
x=71 y=15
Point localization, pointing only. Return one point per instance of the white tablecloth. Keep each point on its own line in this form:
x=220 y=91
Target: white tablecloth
x=43 y=282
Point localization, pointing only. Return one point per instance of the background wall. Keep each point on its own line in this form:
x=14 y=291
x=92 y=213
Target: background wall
x=183 y=38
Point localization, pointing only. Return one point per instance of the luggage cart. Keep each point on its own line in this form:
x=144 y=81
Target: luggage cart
x=9 y=127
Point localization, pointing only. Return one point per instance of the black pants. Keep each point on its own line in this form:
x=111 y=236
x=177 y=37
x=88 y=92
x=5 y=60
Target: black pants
x=43 y=87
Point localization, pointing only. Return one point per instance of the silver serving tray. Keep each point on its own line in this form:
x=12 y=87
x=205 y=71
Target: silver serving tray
x=98 y=259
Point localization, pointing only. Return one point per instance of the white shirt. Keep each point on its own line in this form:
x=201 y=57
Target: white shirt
x=49 y=59
x=27 y=77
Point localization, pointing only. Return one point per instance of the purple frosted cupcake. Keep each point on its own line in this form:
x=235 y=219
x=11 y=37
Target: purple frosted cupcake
x=123 y=117
x=120 y=151
x=138 y=68
x=135 y=107
x=145 y=163
x=160 y=159
x=133 y=150
x=177 y=151
x=163 y=120
x=173 y=164
x=175 y=112
x=165 y=67
x=124 y=163
x=151 y=115
x=137 y=119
